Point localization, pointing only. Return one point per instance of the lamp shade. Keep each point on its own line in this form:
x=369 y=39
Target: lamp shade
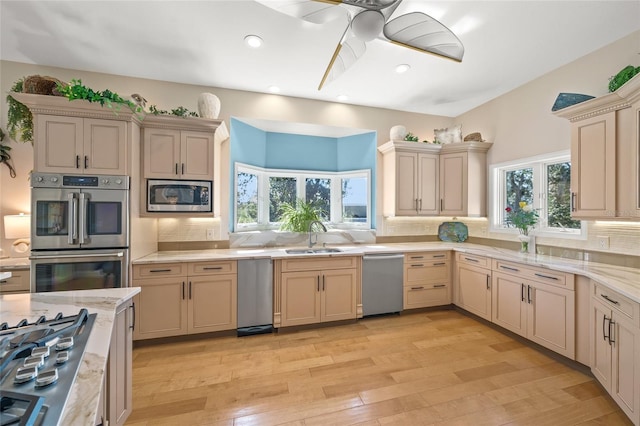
x=17 y=226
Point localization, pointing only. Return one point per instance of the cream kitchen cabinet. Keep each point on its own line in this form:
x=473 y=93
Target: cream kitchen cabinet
x=536 y=303
x=178 y=148
x=427 y=279
x=472 y=284
x=65 y=144
x=185 y=298
x=615 y=351
x=119 y=374
x=316 y=290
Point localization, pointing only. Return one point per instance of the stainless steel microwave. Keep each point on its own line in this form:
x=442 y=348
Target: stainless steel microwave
x=187 y=196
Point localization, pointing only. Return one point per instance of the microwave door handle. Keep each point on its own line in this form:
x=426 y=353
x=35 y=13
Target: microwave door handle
x=72 y=218
x=83 y=234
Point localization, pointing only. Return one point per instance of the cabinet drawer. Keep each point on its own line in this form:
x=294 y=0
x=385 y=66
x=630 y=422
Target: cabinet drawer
x=159 y=270
x=319 y=263
x=617 y=302
x=19 y=282
x=471 y=259
x=426 y=272
x=546 y=276
x=423 y=296
x=212 y=268
x=427 y=255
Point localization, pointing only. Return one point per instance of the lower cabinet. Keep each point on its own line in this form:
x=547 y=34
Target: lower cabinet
x=472 y=284
x=185 y=298
x=543 y=313
x=615 y=351
x=318 y=290
x=427 y=279
x=119 y=382
x=18 y=283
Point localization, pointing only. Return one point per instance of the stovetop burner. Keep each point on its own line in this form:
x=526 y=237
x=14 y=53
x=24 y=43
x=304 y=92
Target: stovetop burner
x=38 y=365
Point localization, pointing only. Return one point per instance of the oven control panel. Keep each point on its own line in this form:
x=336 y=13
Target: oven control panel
x=55 y=180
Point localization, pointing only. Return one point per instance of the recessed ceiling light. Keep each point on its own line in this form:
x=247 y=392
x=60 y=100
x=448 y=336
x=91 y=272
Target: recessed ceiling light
x=274 y=89
x=253 y=41
x=343 y=98
x=402 y=68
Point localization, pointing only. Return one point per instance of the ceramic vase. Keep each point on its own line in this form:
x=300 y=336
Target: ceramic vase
x=397 y=133
x=208 y=105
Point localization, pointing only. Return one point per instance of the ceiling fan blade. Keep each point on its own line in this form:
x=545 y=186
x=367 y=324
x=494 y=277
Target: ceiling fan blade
x=419 y=31
x=348 y=51
x=317 y=11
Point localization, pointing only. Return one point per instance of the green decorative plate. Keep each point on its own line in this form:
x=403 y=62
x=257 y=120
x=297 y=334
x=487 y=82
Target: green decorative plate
x=455 y=232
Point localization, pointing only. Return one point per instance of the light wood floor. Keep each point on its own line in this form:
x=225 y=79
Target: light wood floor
x=426 y=368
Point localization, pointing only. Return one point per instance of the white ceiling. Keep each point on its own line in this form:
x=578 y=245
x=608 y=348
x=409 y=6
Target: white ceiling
x=507 y=43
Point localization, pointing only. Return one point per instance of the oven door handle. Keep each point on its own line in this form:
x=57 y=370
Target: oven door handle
x=72 y=218
x=118 y=254
x=83 y=233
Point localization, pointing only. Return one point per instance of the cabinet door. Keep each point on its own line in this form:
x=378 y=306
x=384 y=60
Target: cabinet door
x=600 y=356
x=161 y=308
x=508 y=303
x=406 y=183
x=551 y=318
x=105 y=147
x=300 y=298
x=473 y=290
x=338 y=295
x=428 y=198
x=212 y=303
x=196 y=155
x=161 y=153
x=625 y=366
x=58 y=144
x=593 y=167
x=453 y=184
x=119 y=374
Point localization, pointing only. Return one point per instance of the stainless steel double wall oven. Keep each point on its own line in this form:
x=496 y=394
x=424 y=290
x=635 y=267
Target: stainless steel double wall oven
x=79 y=232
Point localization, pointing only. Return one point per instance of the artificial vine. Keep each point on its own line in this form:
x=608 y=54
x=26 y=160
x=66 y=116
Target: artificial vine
x=76 y=90
x=5 y=157
x=19 y=118
x=180 y=111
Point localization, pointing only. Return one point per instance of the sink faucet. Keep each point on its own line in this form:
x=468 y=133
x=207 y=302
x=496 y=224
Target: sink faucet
x=311 y=233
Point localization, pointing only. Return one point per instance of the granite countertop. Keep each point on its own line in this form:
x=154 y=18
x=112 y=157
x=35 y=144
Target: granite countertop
x=622 y=279
x=83 y=401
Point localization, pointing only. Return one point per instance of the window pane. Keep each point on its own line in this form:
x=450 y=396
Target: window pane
x=281 y=190
x=354 y=199
x=319 y=192
x=559 y=196
x=518 y=187
x=247 y=198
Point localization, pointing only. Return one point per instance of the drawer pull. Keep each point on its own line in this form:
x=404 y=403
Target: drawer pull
x=4 y=282
x=417 y=265
x=439 y=264
x=439 y=285
x=160 y=270
x=488 y=282
x=439 y=256
x=416 y=257
x=508 y=268
x=522 y=292
x=210 y=268
x=546 y=276
x=417 y=288
x=615 y=302
x=471 y=259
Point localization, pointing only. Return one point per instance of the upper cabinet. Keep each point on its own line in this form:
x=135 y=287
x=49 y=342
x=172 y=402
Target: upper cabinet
x=605 y=151
x=178 y=148
x=428 y=179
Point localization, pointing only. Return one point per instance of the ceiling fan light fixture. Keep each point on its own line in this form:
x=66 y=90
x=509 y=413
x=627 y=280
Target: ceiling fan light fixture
x=367 y=24
x=402 y=68
x=253 y=41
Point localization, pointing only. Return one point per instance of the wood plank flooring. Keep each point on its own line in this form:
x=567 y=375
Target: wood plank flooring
x=426 y=368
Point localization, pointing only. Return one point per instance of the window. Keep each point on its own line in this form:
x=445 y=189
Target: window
x=543 y=182
x=343 y=197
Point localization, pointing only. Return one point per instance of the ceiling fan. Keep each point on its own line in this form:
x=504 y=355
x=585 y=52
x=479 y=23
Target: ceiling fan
x=367 y=20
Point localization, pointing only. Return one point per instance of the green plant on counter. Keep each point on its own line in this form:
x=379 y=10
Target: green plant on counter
x=180 y=111
x=5 y=157
x=297 y=218
x=19 y=117
x=76 y=90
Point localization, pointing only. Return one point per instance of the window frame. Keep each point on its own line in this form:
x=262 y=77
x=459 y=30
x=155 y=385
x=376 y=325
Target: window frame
x=335 y=178
x=497 y=195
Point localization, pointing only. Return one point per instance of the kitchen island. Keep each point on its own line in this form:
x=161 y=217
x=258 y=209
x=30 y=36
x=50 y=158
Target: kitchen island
x=83 y=403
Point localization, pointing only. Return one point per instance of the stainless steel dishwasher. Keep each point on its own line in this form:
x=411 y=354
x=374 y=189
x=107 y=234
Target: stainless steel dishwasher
x=255 y=296
x=382 y=280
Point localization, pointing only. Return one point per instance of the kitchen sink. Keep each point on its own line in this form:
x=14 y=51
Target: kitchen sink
x=319 y=250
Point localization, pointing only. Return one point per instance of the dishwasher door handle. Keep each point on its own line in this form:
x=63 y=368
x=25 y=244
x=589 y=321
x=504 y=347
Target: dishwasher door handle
x=382 y=256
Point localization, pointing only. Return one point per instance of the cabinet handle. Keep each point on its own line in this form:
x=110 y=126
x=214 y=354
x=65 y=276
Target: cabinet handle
x=439 y=256
x=529 y=294
x=416 y=204
x=416 y=257
x=441 y=204
x=182 y=290
x=4 y=282
x=159 y=270
x=86 y=161
x=209 y=268
x=488 y=281
x=612 y=323
x=417 y=265
x=522 y=292
x=439 y=263
x=420 y=204
x=189 y=290
x=604 y=333
x=573 y=201
x=323 y=283
x=176 y=168
x=77 y=161
x=615 y=302
x=471 y=259
x=439 y=285
x=417 y=288
x=509 y=268
x=182 y=168
x=133 y=316
x=318 y=287
x=546 y=276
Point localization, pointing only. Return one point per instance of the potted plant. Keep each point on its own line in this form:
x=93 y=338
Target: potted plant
x=296 y=218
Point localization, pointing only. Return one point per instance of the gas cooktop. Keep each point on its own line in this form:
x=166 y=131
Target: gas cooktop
x=38 y=365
